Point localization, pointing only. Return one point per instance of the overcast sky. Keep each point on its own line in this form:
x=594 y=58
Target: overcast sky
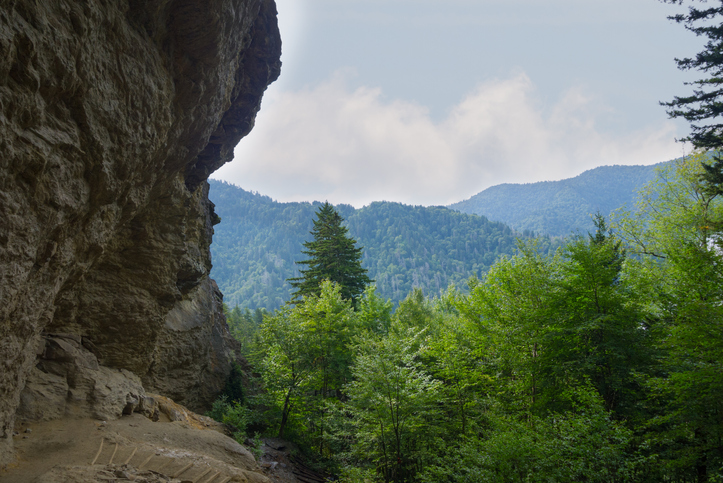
x=431 y=101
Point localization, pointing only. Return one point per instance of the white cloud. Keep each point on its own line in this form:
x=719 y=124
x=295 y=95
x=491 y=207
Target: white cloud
x=333 y=143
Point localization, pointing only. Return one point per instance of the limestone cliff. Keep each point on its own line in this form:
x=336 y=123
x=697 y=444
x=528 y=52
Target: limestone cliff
x=112 y=116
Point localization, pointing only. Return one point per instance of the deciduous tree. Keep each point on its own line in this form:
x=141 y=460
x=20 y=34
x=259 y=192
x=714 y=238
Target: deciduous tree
x=675 y=225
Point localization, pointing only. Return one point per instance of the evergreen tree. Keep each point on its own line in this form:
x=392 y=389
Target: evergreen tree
x=712 y=177
x=704 y=105
x=333 y=256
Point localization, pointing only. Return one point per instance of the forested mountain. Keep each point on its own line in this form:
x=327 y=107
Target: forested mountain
x=256 y=245
x=598 y=363
x=559 y=208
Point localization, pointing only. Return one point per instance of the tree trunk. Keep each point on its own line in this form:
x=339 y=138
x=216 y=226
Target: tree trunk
x=285 y=414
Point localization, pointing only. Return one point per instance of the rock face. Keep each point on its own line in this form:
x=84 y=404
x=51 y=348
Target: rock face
x=112 y=115
x=68 y=380
x=191 y=356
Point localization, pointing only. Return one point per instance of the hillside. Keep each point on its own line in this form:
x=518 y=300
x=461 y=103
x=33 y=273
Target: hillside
x=559 y=208
x=256 y=245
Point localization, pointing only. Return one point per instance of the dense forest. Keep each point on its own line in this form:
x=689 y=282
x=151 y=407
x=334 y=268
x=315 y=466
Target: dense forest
x=257 y=244
x=559 y=208
x=598 y=362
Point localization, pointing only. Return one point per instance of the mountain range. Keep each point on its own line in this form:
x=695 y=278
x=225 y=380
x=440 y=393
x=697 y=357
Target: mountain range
x=559 y=208
x=256 y=245
x=258 y=241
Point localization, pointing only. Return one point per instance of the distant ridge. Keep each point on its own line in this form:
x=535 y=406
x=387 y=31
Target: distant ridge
x=258 y=240
x=559 y=208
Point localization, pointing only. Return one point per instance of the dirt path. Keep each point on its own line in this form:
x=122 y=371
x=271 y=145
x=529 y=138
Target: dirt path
x=132 y=448
x=40 y=446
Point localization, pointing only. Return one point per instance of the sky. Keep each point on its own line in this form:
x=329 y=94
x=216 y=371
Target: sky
x=428 y=102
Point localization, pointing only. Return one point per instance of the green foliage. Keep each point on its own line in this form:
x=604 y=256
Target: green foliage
x=674 y=212
x=712 y=176
x=394 y=403
x=237 y=417
x=601 y=362
x=284 y=364
x=599 y=331
x=234 y=388
x=704 y=104
x=257 y=448
x=256 y=247
x=676 y=226
x=244 y=325
x=219 y=408
x=375 y=313
x=234 y=415
x=355 y=474
x=415 y=311
x=585 y=445
x=304 y=359
x=333 y=257
x=513 y=312
x=552 y=323
x=528 y=366
x=560 y=208
x=428 y=248
x=459 y=357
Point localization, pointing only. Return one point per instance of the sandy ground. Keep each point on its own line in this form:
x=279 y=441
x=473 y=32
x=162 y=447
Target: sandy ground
x=191 y=449
x=133 y=449
x=40 y=446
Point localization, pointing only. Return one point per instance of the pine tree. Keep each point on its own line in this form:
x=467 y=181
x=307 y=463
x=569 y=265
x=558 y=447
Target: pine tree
x=712 y=177
x=704 y=105
x=704 y=108
x=333 y=256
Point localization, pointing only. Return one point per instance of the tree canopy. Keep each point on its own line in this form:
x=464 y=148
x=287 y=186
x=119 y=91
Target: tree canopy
x=559 y=208
x=600 y=362
x=256 y=246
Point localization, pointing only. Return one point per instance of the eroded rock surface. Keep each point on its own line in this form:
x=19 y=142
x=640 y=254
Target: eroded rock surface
x=112 y=115
x=68 y=381
x=132 y=448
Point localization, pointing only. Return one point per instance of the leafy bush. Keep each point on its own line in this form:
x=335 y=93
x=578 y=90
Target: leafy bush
x=238 y=417
x=218 y=409
x=234 y=415
x=257 y=449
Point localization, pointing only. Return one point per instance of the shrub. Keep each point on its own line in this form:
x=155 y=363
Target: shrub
x=218 y=409
x=234 y=415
